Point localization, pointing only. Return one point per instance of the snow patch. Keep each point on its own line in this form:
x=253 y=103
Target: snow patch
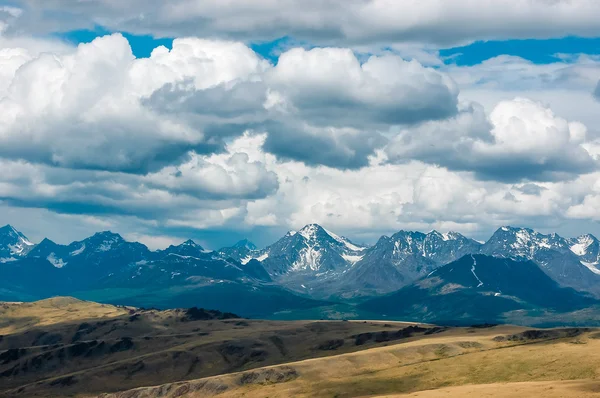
x=16 y=249
x=78 y=251
x=345 y=241
x=592 y=267
x=309 y=232
x=186 y=257
x=106 y=245
x=309 y=259
x=352 y=259
x=247 y=259
x=7 y=260
x=473 y=272
x=57 y=262
x=581 y=247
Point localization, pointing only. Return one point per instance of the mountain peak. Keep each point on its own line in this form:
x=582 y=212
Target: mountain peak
x=190 y=242
x=450 y=235
x=13 y=242
x=187 y=248
x=310 y=231
x=508 y=228
x=245 y=243
x=7 y=228
x=107 y=235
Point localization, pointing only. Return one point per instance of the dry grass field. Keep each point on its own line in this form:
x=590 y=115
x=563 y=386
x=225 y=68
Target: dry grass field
x=457 y=363
x=19 y=317
x=70 y=348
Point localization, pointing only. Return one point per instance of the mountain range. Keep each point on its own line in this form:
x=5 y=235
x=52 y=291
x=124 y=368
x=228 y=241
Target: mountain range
x=307 y=269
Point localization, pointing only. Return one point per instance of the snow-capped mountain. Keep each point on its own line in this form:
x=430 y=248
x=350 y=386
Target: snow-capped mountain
x=13 y=244
x=523 y=242
x=313 y=261
x=107 y=261
x=398 y=260
x=189 y=248
x=100 y=254
x=587 y=248
x=570 y=262
x=312 y=250
x=243 y=251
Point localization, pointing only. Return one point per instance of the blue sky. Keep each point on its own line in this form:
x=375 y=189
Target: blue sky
x=538 y=51
x=141 y=45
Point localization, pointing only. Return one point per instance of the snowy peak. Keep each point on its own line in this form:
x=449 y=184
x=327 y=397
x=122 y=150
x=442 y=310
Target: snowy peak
x=105 y=236
x=523 y=242
x=13 y=244
x=583 y=244
x=587 y=249
x=439 y=247
x=312 y=249
x=188 y=248
x=315 y=232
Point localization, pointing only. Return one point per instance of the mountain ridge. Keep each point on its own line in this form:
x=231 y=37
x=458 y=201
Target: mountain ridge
x=312 y=262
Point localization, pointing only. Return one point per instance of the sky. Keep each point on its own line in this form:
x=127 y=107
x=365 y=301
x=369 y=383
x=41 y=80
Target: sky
x=218 y=121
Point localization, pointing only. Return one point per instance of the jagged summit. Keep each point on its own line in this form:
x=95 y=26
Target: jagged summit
x=188 y=248
x=245 y=243
x=106 y=235
x=318 y=260
x=13 y=244
x=190 y=242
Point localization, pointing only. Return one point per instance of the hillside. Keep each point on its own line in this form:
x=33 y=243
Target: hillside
x=477 y=362
x=478 y=288
x=62 y=346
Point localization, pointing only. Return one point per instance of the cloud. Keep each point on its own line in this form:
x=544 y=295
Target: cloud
x=531 y=189
x=219 y=177
x=520 y=140
x=99 y=108
x=203 y=186
x=323 y=98
x=343 y=148
x=83 y=110
x=596 y=92
x=352 y=22
x=507 y=72
x=329 y=86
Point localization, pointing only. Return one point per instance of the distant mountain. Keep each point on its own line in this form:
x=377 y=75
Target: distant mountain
x=478 y=288
x=398 y=260
x=570 y=262
x=107 y=268
x=312 y=250
x=189 y=248
x=301 y=267
x=242 y=251
x=13 y=244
